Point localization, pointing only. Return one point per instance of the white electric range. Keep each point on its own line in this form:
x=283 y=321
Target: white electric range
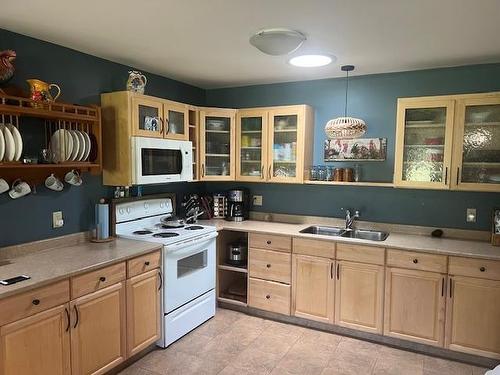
x=188 y=264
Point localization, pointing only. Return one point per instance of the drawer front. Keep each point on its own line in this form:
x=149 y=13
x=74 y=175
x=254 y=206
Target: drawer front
x=95 y=280
x=270 y=265
x=34 y=301
x=270 y=296
x=143 y=264
x=306 y=246
x=481 y=268
x=360 y=253
x=270 y=242
x=417 y=261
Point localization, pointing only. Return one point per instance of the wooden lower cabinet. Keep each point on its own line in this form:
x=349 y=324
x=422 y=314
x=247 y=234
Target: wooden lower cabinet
x=269 y=296
x=98 y=331
x=415 y=305
x=359 y=296
x=37 y=345
x=143 y=311
x=473 y=316
x=313 y=288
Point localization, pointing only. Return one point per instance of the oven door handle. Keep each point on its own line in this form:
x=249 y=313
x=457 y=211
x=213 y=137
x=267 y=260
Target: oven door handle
x=197 y=240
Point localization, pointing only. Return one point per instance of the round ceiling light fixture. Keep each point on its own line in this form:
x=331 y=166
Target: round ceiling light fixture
x=310 y=61
x=278 y=41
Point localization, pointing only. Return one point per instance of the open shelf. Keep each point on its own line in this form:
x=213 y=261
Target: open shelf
x=228 y=267
x=349 y=183
x=217 y=131
x=232 y=301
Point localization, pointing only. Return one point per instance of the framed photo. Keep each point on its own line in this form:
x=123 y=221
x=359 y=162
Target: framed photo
x=495 y=232
x=361 y=149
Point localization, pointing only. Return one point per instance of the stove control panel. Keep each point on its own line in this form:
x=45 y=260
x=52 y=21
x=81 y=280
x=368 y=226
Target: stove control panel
x=143 y=208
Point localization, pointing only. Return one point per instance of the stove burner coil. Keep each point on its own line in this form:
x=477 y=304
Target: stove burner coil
x=142 y=232
x=194 y=227
x=165 y=234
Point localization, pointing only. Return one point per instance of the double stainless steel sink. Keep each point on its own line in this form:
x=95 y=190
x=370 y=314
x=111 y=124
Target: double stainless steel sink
x=371 y=235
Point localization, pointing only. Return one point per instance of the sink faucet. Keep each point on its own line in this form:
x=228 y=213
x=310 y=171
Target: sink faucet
x=349 y=220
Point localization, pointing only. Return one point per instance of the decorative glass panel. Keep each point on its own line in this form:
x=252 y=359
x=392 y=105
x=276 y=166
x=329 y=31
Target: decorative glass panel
x=175 y=122
x=285 y=146
x=217 y=146
x=423 y=155
x=149 y=118
x=481 y=145
x=251 y=146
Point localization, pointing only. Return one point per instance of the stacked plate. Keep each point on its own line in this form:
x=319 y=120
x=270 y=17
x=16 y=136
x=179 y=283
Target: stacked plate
x=11 y=143
x=70 y=145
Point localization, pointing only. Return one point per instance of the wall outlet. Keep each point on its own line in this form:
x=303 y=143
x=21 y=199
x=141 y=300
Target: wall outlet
x=257 y=200
x=57 y=219
x=471 y=215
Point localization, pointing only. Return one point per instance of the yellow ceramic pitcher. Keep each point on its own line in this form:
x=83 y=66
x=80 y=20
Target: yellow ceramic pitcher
x=40 y=90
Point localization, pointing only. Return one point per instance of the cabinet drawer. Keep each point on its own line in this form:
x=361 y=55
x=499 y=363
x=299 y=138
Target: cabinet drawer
x=482 y=268
x=95 y=280
x=33 y=301
x=143 y=264
x=416 y=261
x=270 y=265
x=270 y=296
x=270 y=242
x=360 y=253
x=306 y=246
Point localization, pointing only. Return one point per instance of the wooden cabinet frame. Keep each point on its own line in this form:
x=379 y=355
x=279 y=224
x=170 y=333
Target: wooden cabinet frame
x=169 y=105
x=135 y=102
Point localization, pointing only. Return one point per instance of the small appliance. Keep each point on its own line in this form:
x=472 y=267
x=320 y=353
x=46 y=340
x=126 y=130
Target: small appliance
x=220 y=206
x=237 y=205
x=237 y=254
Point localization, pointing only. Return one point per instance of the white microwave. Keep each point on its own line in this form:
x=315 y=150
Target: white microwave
x=157 y=160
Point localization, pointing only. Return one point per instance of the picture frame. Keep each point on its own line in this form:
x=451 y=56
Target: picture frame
x=359 y=149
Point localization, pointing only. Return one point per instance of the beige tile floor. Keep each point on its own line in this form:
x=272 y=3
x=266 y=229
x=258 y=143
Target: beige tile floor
x=235 y=343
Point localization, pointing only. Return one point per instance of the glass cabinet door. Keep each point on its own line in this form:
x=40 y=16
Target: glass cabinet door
x=477 y=154
x=147 y=117
x=217 y=146
x=176 y=121
x=251 y=145
x=424 y=143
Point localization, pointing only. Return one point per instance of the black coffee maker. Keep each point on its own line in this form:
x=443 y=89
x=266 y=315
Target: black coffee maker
x=237 y=205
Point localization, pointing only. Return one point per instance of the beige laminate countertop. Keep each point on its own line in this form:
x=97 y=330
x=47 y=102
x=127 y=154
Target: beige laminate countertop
x=445 y=246
x=47 y=266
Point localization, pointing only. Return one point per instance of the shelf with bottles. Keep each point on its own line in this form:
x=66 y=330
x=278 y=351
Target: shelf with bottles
x=217 y=155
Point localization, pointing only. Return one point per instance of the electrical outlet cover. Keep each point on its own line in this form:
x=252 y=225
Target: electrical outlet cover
x=57 y=219
x=257 y=200
x=471 y=215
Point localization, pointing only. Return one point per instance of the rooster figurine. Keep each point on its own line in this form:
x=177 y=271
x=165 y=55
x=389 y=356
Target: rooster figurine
x=7 y=57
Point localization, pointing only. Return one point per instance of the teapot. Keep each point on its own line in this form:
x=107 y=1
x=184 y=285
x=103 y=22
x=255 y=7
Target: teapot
x=136 y=82
x=40 y=90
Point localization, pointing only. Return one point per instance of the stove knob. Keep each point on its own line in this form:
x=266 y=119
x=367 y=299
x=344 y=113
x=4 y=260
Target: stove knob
x=128 y=210
x=121 y=211
x=146 y=205
x=162 y=205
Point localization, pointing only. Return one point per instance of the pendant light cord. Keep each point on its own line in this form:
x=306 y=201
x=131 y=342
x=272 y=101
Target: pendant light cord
x=346 y=91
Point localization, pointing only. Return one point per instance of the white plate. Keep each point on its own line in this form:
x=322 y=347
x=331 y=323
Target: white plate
x=10 y=145
x=61 y=145
x=81 y=141
x=87 y=146
x=76 y=145
x=18 y=140
x=2 y=144
x=495 y=178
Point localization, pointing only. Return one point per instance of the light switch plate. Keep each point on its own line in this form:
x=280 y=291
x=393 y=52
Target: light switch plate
x=57 y=219
x=257 y=200
x=471 y=215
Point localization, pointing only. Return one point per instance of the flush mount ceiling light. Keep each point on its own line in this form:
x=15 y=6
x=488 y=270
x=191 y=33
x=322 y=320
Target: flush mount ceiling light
x=277 y=42
x=310 y=61
x=345 y=127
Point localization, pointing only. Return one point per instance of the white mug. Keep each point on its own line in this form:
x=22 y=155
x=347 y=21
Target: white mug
x=4 y=186
x=53 y=183
x=73 y=178
x=19 y=189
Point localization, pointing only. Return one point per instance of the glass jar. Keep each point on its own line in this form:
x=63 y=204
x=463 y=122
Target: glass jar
x=313 y=174
x=329 y=173
x=357 y=173
x=322 y=173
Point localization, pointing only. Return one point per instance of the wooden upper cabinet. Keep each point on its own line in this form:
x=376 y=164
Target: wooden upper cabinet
x=147 y=117
x=37 y=345
x=472 y=316
x=476 y=154
x=218 y=144
x=424 y=138
x=176 y=119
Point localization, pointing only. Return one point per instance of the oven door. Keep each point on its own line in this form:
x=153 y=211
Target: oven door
x=161 y=160
x=188 y=271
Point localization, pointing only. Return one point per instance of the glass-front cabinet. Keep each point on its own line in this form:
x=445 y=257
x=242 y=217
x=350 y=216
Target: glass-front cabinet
x=176 y=120
x=147 y=117
x=477 y=139
x=424 y=141
x=251 y=140
x=217 y=141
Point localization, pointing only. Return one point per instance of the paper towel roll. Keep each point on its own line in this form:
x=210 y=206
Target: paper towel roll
x=102 y=221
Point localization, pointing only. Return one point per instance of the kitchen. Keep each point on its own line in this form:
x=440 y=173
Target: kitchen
x=317 y=322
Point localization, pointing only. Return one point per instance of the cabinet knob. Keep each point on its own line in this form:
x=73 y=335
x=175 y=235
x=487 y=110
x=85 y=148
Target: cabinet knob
x=146 y=263
x=268 y=296
x=268 y=265
x=482 y=269
x=268 y=242
x=102 y=279
x=415 y=260
x=35 y=302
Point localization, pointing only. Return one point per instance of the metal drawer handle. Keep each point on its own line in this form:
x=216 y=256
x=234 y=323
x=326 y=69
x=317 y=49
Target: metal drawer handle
x=268 y=265
x=146 y=263
x=269 y=242
x=268 y=296
x=102 y=279
x=69 y=319
x=415 y=260
x=482 y=269
x=35 y=302
x=77 y=316
x=161 y=280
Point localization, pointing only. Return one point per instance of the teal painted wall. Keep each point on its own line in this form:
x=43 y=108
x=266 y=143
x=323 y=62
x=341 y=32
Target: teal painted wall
x=374 y=99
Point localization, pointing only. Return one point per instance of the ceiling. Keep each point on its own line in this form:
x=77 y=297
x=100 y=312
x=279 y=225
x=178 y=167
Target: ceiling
x=205 y=42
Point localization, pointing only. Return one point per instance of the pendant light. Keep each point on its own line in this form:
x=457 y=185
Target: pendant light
x=345 y=127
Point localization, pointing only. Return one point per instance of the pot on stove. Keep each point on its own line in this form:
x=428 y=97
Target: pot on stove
x=237 y=254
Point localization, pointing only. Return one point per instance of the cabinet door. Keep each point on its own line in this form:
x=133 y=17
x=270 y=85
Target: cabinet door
x=424 y=143
x=359 y=294
x=143 y=311
x=217 y=141
x=99 y=331
x=473 y=316
x=251 y=145
x=415 y=305
x=477 y=144
x=313 y=288
x=37 y=345
x=147 y=117
x=286 y=145
x=176 y=121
